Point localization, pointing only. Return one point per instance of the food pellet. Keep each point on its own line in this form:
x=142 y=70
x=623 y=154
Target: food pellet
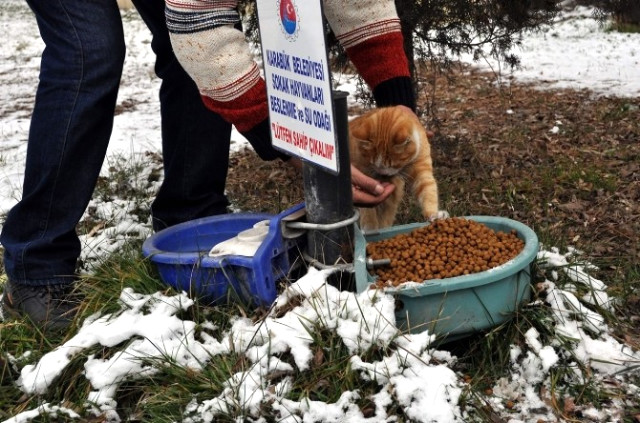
x=444 y=249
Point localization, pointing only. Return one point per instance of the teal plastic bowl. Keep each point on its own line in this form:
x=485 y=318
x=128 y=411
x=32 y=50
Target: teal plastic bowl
x=454 y=308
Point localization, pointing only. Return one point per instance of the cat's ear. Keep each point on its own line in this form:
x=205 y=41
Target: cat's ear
x=360 y=131
x=360 y=128
x=365 y=144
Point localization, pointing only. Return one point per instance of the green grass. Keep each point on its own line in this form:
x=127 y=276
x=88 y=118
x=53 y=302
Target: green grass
x=166 y=395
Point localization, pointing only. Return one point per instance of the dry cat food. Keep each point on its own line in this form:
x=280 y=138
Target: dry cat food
x=444 y=249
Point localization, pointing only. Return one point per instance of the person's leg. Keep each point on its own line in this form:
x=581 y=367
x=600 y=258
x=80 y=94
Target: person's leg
x=195 y=141
x=70 y=128
x=68 y=137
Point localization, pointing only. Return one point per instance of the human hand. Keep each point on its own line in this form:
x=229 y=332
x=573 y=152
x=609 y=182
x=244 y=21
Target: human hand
x=368 y=192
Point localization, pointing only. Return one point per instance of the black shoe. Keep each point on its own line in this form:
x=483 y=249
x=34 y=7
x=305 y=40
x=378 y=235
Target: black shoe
x=51 y=307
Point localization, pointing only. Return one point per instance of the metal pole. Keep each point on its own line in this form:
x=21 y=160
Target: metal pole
x=328 y=199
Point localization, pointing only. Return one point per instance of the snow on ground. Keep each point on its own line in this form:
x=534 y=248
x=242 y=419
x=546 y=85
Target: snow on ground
x=575 y=52
x=578 y=52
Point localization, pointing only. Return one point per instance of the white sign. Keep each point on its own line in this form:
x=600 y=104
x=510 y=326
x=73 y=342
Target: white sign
x=298 y=80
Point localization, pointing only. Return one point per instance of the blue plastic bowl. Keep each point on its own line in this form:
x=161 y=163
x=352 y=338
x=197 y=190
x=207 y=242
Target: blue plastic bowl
x=180 y=254
x=457 y=307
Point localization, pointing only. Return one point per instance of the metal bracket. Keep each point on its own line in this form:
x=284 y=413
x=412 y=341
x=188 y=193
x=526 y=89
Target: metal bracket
x=324 y=226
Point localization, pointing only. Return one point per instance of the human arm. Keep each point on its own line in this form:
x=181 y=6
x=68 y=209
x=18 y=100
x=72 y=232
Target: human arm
x=368 y=192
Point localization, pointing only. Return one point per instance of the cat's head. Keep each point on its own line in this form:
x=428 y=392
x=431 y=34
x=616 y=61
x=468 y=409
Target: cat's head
x=388 y=139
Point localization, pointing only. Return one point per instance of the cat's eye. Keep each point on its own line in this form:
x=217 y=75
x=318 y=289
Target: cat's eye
x=366 y=145
x=403 y=144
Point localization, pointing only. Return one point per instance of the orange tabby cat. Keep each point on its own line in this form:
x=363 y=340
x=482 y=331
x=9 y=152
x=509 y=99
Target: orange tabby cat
x=390 y=144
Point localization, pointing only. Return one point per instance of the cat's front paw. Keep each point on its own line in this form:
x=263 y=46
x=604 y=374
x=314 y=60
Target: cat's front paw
x=441 y=214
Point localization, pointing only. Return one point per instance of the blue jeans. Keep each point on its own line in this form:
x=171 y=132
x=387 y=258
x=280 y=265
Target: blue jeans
x=70 y=128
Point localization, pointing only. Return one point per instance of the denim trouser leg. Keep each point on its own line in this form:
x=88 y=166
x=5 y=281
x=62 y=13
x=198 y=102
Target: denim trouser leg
x=70 y=128
x=195 y=141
